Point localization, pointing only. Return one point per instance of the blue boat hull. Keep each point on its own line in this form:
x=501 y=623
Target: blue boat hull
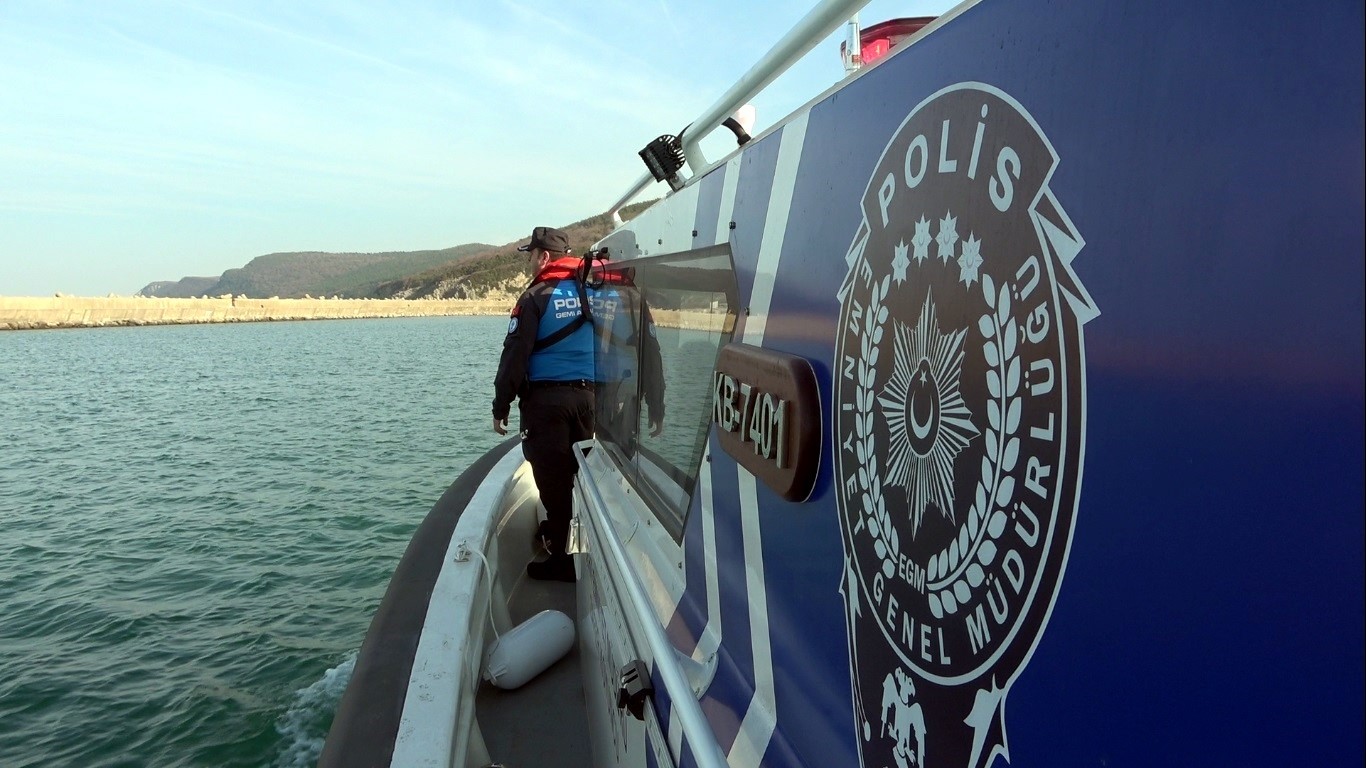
x=1200 y=600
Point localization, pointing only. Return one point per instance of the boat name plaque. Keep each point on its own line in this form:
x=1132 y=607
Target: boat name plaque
x=766 y=409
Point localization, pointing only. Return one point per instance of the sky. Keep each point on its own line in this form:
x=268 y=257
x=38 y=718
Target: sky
x=145 y=140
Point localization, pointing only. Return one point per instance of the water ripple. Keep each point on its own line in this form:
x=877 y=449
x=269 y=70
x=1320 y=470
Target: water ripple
x=200 y=520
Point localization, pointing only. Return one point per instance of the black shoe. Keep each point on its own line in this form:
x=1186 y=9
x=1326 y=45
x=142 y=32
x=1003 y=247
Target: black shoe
x=553 y=568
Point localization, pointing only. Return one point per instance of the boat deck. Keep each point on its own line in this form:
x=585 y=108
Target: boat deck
x=543 y=723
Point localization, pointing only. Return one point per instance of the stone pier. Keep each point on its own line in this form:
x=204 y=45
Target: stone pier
x=29 y=312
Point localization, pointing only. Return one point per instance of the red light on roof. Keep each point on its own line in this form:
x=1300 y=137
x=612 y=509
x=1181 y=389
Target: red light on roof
x=875 y=49
x=879 y=39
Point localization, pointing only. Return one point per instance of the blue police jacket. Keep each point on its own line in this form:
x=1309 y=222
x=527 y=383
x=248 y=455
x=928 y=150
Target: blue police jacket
x=551 y=304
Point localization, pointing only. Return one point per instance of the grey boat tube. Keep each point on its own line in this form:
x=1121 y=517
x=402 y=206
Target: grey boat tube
x=367 y=720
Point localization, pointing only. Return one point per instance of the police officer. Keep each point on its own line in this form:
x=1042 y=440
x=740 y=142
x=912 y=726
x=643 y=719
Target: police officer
x=628 y=361
x=548 y=363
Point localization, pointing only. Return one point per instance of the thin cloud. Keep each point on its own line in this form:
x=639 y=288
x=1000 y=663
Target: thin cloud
x=669 y=19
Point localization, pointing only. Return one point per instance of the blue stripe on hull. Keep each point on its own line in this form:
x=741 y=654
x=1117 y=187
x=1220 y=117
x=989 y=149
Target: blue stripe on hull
x=708 y=206
x=752 y=193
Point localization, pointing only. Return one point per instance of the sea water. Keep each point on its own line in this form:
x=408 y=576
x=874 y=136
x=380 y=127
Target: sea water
x=197 y=523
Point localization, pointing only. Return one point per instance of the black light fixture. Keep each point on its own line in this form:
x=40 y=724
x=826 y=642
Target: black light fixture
x=664 y=157
x=736 y=127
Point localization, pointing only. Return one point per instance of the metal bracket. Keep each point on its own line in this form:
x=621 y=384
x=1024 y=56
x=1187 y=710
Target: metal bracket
x=575 y=543
x=636 y=687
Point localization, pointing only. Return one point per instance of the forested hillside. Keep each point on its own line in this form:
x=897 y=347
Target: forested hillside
x=294 y=275
x=498 y=269
x=184 y=288
x=465 y=271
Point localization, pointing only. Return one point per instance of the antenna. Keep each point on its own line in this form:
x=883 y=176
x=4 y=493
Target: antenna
x=852 y=50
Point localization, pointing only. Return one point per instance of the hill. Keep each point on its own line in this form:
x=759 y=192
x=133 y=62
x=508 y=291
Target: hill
x=184 y=288
x=312 y=273
x=499 y=270
x=473 y=270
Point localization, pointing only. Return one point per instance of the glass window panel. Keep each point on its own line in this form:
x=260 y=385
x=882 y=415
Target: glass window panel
x=661 y=322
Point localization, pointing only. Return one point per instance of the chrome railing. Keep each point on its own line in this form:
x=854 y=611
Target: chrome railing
x=825 y=18
x=700 y=738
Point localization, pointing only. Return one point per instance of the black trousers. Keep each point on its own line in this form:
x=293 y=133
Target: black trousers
x=553 y=419
x=617 y=412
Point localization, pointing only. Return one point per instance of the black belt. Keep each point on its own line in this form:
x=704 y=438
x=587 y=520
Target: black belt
x=575 y=384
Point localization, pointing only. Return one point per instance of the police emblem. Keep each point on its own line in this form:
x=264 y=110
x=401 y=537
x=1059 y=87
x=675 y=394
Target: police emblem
x=959 y=424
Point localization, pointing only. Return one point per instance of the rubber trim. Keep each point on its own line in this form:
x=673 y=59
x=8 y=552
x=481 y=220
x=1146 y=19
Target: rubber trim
x=367 y=719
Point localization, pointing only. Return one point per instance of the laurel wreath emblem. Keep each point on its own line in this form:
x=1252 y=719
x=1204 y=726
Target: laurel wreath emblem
x=886 y=542
x=954 y=573
x=949 y=575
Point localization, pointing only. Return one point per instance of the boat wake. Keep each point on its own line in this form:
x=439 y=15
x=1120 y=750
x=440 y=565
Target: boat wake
x=303 y=727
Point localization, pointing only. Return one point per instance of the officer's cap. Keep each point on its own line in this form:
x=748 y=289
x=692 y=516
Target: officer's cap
x=547 y=238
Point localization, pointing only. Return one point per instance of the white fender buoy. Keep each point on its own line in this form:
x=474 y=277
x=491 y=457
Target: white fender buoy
x=528 y=649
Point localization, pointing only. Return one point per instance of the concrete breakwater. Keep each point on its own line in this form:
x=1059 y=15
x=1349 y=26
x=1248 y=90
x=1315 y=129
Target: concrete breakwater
x=35 y=312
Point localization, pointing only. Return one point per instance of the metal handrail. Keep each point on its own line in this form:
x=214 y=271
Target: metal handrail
x=701 y=738
x=636 y=188
x=825 y=18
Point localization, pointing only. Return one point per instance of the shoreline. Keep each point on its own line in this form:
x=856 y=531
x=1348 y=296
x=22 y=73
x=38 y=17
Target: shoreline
x=36 y=313
x=25 y=313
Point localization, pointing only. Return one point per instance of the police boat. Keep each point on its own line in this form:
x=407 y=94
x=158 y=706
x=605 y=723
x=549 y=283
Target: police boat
x=1013 y=395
